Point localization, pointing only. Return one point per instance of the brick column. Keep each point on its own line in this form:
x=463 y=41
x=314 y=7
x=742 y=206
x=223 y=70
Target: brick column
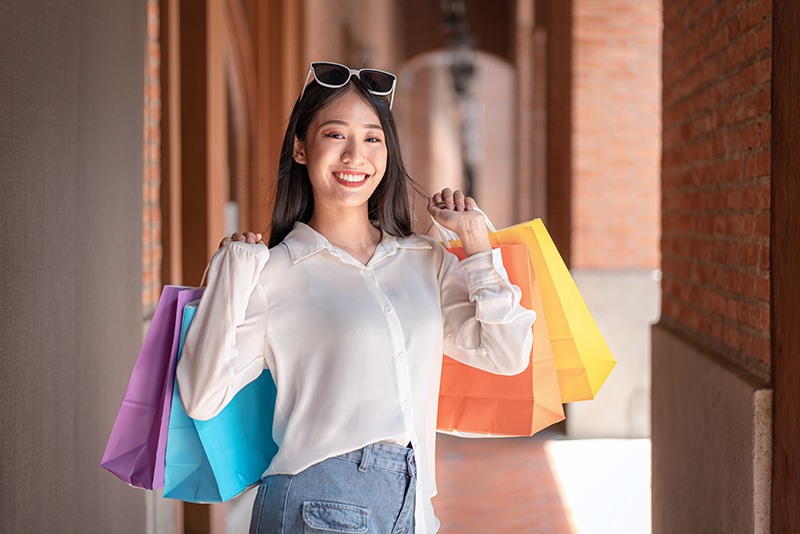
x=712 y=402
x=151 y=214
x=716 y=176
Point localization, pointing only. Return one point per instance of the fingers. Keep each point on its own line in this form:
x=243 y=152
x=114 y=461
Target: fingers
x=458 y=200
x=451 y=200
x=246 y=237
x=444 y=199
x=435 y=206
x=447 y=198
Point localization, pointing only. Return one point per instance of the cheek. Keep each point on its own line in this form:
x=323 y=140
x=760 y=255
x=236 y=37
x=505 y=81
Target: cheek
x=379 y=157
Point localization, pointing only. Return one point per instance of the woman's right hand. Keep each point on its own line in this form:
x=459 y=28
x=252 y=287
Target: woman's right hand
x=245 y=237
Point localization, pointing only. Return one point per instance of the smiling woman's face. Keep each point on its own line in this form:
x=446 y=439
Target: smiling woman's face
x=344 y=152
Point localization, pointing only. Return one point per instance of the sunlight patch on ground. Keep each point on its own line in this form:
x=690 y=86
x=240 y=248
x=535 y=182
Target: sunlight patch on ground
x=605 y=483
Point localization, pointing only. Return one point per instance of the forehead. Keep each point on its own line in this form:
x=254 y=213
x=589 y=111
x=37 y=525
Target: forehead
x=349 y=108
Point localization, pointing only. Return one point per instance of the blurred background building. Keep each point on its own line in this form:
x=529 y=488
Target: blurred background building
x=135 y=134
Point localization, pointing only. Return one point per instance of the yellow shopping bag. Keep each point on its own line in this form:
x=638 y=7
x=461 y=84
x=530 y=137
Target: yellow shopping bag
x=583 y=359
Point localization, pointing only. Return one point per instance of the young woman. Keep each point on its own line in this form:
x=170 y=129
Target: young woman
x=351 y=312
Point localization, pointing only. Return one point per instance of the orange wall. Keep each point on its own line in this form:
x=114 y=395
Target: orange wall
x=616 y=134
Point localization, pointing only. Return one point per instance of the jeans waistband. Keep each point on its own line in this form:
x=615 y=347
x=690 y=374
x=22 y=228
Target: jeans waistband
x=382 y=454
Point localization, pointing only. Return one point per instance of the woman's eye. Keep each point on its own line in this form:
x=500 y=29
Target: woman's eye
x=373 y=139
x=334 y=135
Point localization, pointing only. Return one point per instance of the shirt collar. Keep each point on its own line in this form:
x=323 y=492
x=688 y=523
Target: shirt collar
x=303 y=241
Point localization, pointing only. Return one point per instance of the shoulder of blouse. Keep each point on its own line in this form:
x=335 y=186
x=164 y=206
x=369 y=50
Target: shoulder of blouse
x=240 y=249
x=434 y=247
x=246 y=258
x=427 y=239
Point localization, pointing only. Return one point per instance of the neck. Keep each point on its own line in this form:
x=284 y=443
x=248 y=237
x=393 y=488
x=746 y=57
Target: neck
x=346 y=229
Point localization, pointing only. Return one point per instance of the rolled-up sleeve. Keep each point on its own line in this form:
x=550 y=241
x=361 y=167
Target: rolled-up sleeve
x=225 y=346
x=484 y=324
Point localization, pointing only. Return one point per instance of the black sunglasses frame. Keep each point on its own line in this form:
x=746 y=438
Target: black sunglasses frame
x=349 y=73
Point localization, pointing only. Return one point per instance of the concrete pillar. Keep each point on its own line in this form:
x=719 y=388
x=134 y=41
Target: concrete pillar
x=712 y=443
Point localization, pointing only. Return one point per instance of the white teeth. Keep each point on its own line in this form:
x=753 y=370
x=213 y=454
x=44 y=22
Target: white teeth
x=350 y=177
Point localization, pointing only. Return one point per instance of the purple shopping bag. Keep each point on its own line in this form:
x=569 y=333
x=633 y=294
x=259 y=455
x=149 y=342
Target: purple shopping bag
x=138 y=441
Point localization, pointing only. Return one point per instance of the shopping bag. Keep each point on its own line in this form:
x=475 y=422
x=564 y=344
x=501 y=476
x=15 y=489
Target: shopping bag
x=136 y=447
x=582 y=357
x=216 y=460
x=476 y=402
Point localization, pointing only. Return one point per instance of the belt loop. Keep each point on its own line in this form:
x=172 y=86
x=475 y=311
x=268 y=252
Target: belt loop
x=412 y=467
x=365 y=453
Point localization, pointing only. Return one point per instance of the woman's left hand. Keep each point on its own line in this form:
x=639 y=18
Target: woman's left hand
x=456 y=212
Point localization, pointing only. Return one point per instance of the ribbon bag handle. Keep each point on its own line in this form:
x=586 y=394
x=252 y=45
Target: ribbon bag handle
x=208 y=266
x=449 y=235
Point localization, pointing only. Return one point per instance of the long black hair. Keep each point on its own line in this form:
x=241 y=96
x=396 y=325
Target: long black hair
x=389 y=207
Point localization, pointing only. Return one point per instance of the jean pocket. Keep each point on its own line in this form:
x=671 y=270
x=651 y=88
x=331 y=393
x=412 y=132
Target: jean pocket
x=321 y=516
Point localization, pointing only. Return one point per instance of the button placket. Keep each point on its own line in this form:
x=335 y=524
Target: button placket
x=399 y=350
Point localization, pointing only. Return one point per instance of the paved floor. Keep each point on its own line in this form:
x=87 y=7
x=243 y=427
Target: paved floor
x=538 y=485
x=497 y=486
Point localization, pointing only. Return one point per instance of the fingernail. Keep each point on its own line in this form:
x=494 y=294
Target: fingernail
x=450 y=206
x=461 y=208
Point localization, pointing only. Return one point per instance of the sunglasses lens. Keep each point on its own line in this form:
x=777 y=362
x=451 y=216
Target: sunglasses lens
x=378 y=81
x=331 y=74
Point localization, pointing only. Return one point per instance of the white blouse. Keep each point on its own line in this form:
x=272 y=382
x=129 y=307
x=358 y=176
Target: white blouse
x=355 y=350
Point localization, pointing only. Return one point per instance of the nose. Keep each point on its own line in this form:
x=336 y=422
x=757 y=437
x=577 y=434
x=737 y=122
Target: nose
x=353 y=153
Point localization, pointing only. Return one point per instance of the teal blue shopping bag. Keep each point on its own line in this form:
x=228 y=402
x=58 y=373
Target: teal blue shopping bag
x=216 y=460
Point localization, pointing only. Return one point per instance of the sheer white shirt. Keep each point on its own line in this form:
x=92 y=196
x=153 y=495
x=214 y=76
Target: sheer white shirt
x=355 y=350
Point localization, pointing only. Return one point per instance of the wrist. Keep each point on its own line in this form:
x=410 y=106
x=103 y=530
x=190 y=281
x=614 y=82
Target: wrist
x=475 y=242
x=473 y=227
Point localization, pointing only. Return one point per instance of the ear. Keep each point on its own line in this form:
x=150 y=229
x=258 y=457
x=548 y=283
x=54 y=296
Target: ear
x=299 y=151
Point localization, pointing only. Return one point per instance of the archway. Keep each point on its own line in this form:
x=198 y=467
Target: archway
x=446 y=138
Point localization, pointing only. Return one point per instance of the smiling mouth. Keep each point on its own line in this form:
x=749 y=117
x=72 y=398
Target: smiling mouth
x=351 y=178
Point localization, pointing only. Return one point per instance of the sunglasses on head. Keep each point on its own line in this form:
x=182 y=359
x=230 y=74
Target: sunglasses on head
x=334 y=75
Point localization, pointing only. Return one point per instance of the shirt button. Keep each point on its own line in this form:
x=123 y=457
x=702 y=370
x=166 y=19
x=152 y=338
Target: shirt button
x=388 y=309
x=368 y=272
x=406 y=405
x=401 y=357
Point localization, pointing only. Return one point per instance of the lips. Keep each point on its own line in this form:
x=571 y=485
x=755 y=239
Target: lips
x=351 y=179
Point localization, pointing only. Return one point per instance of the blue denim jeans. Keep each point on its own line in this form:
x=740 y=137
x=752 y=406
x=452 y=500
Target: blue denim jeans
x=370 y=490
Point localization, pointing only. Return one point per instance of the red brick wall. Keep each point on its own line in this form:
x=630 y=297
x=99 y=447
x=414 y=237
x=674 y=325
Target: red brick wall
x=151 y=216
x=616 y=133
x=716 y=175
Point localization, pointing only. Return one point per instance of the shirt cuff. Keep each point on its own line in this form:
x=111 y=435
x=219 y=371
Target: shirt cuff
x=483 y=269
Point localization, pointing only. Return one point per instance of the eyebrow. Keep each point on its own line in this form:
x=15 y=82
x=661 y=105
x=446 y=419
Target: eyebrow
x=343 y=123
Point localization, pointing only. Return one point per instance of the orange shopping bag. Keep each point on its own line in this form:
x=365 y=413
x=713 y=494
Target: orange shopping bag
x=478 y=402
